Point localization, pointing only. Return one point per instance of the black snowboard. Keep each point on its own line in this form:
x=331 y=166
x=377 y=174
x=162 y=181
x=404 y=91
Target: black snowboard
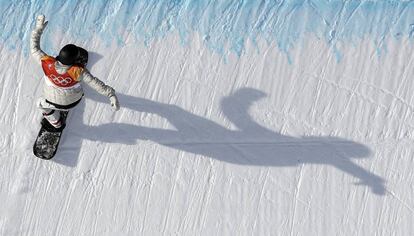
x=47 y=141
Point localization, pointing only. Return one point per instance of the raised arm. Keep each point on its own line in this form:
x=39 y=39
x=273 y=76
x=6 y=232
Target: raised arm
x=37 y=53
x=101 y=88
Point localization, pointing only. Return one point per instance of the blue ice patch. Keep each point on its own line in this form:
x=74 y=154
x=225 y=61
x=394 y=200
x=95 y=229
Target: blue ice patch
x=225 y=25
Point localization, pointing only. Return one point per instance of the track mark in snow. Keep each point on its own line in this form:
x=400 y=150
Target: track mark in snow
x=319 y=89
x=295 y=199
x=148 y=201
x=406 y=205
x=206 y=199
x=65 y=208
x=193 y=200
x=102 y=176
x=17 y=96
x=177 y=169
x=28 y=212
x=22 y=181
x=17 y=207
x=90 y=195
x=361 y=222
x=259 y=202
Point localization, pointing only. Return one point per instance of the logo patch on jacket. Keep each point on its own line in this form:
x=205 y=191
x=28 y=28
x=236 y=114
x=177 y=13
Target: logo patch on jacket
x=66 y=80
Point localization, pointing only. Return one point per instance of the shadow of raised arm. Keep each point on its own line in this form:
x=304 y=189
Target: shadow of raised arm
x=252 y=144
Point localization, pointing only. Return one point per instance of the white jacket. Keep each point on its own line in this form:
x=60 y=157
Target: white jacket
x=65 y=96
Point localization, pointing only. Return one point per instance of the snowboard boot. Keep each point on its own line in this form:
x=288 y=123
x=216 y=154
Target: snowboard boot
x=53 y=121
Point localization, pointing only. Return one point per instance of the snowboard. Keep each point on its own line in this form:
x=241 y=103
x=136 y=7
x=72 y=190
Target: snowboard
x=48 y=138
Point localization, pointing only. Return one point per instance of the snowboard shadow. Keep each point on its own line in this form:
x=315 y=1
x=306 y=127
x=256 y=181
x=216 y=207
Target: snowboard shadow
x=251 y=144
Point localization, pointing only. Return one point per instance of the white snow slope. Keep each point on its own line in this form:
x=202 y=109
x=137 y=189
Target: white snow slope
x=212 y=142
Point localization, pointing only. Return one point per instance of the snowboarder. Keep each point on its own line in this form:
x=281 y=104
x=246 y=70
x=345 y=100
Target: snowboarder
x=62 y=88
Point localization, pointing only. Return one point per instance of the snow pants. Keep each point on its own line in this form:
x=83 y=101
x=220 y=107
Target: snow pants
x=51 y=111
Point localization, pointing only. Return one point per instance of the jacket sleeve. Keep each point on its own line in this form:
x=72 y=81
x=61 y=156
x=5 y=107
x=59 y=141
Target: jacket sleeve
x=97 y=84
x=35 y=50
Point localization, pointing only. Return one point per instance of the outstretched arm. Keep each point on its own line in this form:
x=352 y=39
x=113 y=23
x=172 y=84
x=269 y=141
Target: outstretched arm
x=37 y=53
x=101 y=88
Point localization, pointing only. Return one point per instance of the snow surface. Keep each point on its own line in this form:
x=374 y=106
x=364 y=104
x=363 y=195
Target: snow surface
x=237 y=118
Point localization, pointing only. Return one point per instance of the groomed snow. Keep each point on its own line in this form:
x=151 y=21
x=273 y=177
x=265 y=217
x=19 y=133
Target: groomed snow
x=216 y=143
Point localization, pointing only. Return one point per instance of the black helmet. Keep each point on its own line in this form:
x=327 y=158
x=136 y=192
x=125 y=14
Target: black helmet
x=68 y=54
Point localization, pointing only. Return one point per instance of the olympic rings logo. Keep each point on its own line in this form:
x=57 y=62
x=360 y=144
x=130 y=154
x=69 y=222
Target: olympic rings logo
x=64 y=81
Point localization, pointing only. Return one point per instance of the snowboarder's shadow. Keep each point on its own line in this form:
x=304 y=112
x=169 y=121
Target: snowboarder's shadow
x=251 y=144
x=94 y=57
